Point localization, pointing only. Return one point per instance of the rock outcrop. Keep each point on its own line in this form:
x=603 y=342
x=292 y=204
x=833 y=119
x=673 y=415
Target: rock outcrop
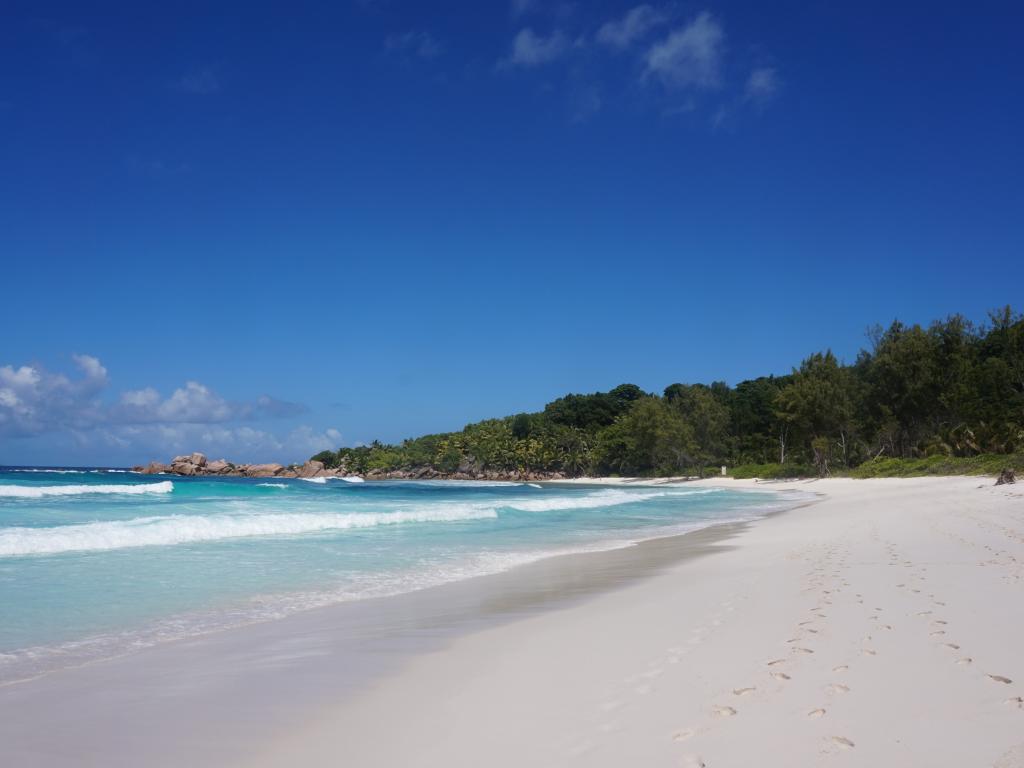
x=219 y=467
x=311 y=469
x=196 y=465
x=264 y=470
x=1006 y=477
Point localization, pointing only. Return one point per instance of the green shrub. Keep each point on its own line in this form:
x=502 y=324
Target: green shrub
x=985 y=464
x=771 y=471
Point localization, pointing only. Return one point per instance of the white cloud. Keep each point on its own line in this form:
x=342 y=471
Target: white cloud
x=60 y=415
x=193 y=403
x=530 y=49
x=689 y=57
x=34 y=401
x=637 y=22
x=418 y=42
x=762 y=86
x=159 y=442
x=140 y=398
x=91 y=367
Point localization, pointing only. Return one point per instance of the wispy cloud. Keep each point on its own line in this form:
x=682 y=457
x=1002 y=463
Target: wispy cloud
x=530 y=49
x=200 y=81
x=241 y=443
x=520 y=7
x=689 y=57
x=584 y=103
x=634 y=26
x=762 y=86
x=686 y=56
x=418 y=42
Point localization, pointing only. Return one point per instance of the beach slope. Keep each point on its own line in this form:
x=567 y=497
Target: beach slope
x=881 y=625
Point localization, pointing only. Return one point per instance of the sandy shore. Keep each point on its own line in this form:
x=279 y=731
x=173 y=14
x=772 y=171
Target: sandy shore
x=882 y=626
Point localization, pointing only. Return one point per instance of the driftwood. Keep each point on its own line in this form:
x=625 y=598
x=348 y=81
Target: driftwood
x=1006 y=477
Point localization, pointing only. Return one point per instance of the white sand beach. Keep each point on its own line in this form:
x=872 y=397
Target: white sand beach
x=880 y=626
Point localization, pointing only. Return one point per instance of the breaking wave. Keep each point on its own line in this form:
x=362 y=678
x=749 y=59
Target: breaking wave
x=187 y=529
x=591 y=501
x=38 y=491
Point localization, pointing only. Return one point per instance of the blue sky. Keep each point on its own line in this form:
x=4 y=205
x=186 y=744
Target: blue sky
x=286 y=227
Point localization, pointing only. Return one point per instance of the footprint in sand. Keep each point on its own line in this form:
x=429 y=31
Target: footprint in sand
x=780 y=676
x=869 y=652
x=692 y=761
x=839 y=688
x=840 y=668
x=842 y=742
x=816 y=713
x=1000 y=679
x=743 y=691
x=774 y=662
x=1015 y=701
x=937 y=633
x=721 y=711
x=965 y=660
x=952 y=646
x=683 y=734
x=803 y=650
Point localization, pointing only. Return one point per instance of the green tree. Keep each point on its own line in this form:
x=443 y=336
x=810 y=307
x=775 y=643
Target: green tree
x=818 y=405
x=707 y=416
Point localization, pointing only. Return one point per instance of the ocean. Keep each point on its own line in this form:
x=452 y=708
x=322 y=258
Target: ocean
x=95 y=563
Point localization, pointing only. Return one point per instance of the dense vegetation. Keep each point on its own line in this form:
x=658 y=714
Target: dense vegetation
x=946 y=392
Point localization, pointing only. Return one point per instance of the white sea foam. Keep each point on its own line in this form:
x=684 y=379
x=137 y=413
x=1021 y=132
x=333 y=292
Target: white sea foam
x=590 y=501
x=49 y=471
x=456 y=483
x=38 y=491
x=317 y=480
x=273 y=485
x=352 y=479
x=28 y=662
x=187 y=529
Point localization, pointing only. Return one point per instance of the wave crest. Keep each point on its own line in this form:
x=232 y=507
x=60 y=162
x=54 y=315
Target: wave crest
x=590 y=501
x=38 y=491
x=187 y=529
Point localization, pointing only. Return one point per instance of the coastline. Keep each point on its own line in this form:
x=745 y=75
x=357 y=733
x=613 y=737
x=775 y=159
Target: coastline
x=225 y=691
x=847 y=631
x=655 y=653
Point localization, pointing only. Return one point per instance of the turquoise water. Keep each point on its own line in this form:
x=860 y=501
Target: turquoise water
x=96 y=562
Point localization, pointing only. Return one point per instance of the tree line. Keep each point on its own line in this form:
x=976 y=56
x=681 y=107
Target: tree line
x=952 y=388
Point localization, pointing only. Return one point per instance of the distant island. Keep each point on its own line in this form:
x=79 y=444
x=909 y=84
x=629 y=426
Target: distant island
x=942 y=399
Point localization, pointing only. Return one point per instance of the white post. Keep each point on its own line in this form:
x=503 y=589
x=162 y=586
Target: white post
x=723 y=470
